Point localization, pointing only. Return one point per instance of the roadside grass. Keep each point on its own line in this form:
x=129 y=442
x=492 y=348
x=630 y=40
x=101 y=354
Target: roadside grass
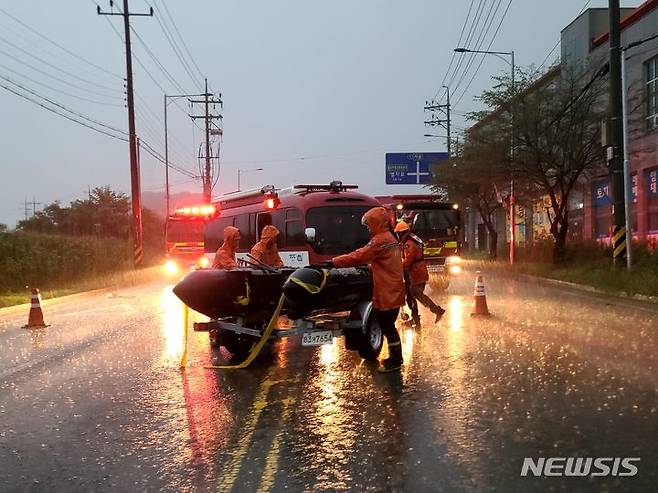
x=111 y=281
x=61 y=265
x=588 y=266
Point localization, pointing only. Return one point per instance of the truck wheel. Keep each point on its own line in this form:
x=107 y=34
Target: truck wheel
x=213 y=337
x=439 y=282
x=372 y=340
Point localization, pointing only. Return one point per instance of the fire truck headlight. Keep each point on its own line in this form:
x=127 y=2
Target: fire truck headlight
x=171 y=268
x=453 y=260
x=455 y=269
x=204 y=262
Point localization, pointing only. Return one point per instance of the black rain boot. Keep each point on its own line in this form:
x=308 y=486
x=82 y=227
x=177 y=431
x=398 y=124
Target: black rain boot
x=438 y=311
x=394 y=361
x=416 y=322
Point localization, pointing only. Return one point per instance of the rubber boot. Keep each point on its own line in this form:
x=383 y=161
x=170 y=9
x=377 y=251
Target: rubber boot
x=394 y=361
x=439 y=313
x=416 y=322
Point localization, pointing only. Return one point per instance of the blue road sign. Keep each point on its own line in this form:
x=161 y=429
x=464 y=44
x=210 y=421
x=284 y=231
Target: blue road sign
x=411 y=168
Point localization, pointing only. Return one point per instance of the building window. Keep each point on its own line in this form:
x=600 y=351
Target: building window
x=652 y=92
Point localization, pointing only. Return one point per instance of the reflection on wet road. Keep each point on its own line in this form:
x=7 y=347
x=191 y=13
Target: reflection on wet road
x=97 y=402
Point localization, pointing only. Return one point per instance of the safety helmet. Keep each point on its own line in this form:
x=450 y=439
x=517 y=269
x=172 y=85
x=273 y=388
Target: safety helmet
x=401 y=227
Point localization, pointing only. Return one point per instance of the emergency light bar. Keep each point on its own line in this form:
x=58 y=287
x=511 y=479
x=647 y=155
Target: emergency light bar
x=334 y=186
x=196 y=211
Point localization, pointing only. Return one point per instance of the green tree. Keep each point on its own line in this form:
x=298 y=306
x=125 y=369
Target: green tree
x=553 y=123
x=474 y=176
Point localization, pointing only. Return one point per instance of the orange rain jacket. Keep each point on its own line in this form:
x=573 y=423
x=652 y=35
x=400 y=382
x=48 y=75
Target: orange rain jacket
x=413 y=260
x=383 y=255
x=225 y=255
x=265 y=250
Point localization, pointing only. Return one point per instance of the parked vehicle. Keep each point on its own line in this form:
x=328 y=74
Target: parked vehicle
x=316 y=222
x=184 y=230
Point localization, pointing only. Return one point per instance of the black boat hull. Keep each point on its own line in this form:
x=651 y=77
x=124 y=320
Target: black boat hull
x=253 y=294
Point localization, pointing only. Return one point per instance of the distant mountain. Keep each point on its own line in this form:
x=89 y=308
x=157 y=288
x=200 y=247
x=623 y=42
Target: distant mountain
x=155 y=201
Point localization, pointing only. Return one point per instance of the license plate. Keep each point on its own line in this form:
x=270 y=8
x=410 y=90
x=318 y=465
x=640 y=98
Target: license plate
x=435 y=268
x=317 y=338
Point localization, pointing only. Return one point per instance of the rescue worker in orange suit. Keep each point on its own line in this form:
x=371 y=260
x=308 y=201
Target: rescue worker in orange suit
x=382 y=254
x=415 y=273
x=265 y=250
x=225 y=254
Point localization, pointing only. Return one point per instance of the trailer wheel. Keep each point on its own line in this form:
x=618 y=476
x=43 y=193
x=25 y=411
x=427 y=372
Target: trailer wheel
x=237 y=344
x=372 y=340
x=213 y=337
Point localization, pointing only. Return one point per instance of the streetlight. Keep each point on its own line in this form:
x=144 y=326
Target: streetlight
x=246 y=171
x=512 y=219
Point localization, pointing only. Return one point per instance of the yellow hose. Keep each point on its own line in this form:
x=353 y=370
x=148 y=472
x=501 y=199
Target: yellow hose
x=258 y=347
x=186 y=323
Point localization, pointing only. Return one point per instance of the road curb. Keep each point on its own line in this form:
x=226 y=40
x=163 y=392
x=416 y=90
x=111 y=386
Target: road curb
x=567 y=284
x=590 y=289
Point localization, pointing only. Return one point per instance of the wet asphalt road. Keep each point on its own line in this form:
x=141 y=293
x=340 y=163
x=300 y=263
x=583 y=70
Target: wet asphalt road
x=96 y=402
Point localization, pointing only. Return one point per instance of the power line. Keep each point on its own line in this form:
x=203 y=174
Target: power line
x=69 y=110
x=550 y=53
x=486 y=27
x=189 y=54
x=82 y=98
x=66 y=50
x=469 y=36
x=148 y=148
x=51 y=55
x=452 y=58
x=172 y=42
x=139 y=62
x=58 y=79
x=52 y=110
x=70 y=74
x=157 y=62
x=493 y=38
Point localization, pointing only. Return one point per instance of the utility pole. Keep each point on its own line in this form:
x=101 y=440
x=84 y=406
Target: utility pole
x=616 y=149
x=26 y=206
x=434 y=121
x=628 y=190
x=34 y=205
x=168 y=97
x=208 y=99
x=138 y=255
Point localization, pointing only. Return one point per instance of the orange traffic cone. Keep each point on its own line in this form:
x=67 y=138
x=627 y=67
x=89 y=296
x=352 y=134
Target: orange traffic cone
x=35 y=319
x=480 y=308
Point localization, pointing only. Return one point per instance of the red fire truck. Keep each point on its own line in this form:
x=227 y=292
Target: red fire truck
x=184 y=236
x=438 y=224
x=317 y=222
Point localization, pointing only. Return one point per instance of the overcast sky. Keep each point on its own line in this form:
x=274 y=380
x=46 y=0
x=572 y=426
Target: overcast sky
x=312 y=90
